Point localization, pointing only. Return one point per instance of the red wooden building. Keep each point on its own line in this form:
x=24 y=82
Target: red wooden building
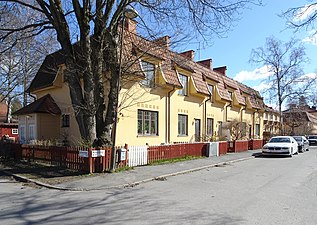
x=7 y=130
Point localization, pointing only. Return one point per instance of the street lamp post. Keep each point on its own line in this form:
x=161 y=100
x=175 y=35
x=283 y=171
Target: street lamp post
x=129 y=13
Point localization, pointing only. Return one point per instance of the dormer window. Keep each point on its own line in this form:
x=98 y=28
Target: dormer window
x=211 y=91
x=231 y=95
x=149 y=72
x=184 y=82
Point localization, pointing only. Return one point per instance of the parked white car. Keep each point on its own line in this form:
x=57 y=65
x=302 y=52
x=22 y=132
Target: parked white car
x=281 y=145
x=303 y=144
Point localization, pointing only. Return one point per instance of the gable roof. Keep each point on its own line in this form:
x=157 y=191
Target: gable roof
x=46 y=104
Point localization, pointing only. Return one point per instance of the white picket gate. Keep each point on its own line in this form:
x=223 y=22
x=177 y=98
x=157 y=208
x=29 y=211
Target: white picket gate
x=138 y=155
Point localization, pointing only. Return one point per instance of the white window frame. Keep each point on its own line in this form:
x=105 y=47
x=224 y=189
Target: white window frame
x=257 y=129
x=150 y=119
x=182 y=125
x=15 y=131
x=184 y=81
x=31 y=132
x=211 y=89
x=149 y=72
x=22 y=134
x=210 y=126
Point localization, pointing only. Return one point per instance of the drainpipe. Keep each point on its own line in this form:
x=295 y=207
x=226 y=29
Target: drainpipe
x=205 y=114
x=168 y=120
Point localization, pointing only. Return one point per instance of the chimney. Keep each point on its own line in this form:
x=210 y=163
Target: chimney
x=222 y=70
x=206 y=63
x=163 y=41
x=188 y=54
x=130 y=25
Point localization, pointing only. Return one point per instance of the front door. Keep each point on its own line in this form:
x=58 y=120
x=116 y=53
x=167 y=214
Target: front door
x=197 y=130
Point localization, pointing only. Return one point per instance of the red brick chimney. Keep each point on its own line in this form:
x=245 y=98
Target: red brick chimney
x=222 y=70
x=188 y=54
x=206 y=63
x=163 y=41
x=130 y=25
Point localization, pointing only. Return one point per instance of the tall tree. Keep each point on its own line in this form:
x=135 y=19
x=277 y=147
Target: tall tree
x=97 y=23
x=285 y=61
x=21 y=54
x=303 y=17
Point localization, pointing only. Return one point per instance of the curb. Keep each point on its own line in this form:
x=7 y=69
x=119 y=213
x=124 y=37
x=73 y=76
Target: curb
x=127 y=185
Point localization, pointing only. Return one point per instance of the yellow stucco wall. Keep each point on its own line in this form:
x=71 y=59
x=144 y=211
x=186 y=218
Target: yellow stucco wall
x=47 y=127
x=192 y=107
x=215 y=111
x=62 y=98
x=134 y=98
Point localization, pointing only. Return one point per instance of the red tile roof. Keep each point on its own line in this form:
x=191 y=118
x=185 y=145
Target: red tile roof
x=135 y=45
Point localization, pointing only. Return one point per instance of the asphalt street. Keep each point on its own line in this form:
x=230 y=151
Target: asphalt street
x=261 y=190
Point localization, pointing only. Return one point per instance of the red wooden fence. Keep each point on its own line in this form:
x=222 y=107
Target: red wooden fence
x=156 y=153
x=68 y=157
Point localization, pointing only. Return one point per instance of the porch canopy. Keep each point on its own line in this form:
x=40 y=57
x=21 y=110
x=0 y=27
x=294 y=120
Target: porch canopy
x=46 y=104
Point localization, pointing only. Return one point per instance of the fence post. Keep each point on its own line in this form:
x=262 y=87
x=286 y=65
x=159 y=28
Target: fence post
x=104 y=160
x=126 y=146
x=90 y=160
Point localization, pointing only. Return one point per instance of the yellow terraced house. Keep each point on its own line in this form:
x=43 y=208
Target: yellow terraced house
x=165 y=97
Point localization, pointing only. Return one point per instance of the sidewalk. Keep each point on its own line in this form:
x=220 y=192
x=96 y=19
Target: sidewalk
x=145 y=174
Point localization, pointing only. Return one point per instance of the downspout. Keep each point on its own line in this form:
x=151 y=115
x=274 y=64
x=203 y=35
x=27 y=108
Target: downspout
x=168 y=120
x=205 y=115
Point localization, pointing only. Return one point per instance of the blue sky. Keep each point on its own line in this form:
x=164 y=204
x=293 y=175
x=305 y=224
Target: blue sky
x=256 y=24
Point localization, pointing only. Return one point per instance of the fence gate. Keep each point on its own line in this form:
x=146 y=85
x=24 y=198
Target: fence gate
x=137 y=155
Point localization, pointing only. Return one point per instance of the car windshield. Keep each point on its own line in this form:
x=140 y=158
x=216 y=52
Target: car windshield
x=298 y=138
x=280 y=140
x=312 y=137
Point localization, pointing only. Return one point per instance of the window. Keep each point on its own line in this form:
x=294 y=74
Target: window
x=147 y=122
x=149 y=71
x=257 y=130
x=31 y=132
x=22 y=133
x=65 y=120
x=231 y=95
x=220 y=128
x=182 y=125
x=15 y=131
x=211 y=91
x=210 y=126
x=184 y=82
